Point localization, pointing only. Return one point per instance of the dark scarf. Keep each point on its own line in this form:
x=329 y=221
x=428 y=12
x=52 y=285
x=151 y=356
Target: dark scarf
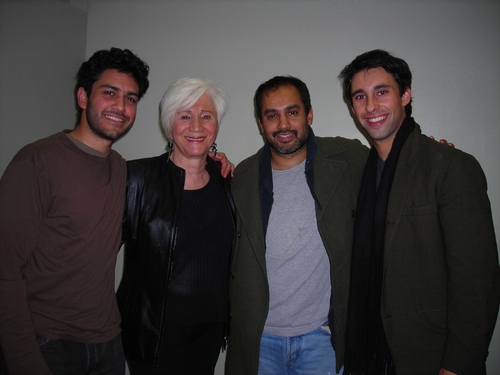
x=367 y=351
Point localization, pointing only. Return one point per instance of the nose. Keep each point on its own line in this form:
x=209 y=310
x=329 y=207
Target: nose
x=196 y=124
x=283 y=122
x=119 y=103
x=371 y=104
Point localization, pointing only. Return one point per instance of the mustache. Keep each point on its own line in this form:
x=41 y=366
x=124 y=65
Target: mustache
x=295 y=132
x=117 y=113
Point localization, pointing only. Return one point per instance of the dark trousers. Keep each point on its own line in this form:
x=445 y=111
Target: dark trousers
x=65 y=357
x=3 y=365
x=191 y=350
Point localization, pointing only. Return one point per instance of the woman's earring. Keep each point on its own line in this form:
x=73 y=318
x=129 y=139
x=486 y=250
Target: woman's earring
x=170 y=146
x=214 y=149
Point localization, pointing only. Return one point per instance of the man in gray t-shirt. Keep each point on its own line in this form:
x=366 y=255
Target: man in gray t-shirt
x=295 y=200
x=298 y=304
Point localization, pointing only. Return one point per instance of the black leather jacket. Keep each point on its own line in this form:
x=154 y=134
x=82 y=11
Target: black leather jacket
x=154 y=188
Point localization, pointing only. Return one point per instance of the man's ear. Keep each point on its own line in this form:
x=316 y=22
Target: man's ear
x=261 y=128
x=81 y=96
x=406 y=97
x=310 y=117
x=351 y=108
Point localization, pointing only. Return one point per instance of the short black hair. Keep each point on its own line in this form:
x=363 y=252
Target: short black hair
x=122 y=60
x=377 y=58
x=274 y=84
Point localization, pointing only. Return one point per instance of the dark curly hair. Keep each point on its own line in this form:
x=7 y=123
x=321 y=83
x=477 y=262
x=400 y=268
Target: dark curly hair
x=115 y=58
x=377 y=58
x=274 y=84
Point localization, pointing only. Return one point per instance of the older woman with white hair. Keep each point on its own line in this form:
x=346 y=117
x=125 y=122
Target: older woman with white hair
x=178 y=231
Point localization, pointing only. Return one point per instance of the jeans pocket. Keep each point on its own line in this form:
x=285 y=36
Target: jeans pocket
x=325 y=328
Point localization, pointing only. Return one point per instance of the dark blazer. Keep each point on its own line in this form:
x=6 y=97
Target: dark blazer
x=338 y=166
x=441 y=285
x=154 y=188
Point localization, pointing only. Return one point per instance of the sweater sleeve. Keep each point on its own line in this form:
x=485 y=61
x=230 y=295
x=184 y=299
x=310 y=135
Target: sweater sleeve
x=24 y=192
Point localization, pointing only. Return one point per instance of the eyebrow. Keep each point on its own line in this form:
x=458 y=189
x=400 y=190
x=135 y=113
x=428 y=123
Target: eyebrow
x=377 y=87
x=202 y=110
x=354 y=93
x=130 y=93
x=293 y=106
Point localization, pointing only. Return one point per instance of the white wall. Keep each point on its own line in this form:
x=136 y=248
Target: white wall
x=42 y=44
x=452 y=47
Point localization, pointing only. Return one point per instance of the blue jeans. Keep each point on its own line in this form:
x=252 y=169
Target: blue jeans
x=66 y=357
x=310 y=354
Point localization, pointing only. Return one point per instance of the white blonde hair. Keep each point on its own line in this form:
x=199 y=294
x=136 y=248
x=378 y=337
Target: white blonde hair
x=183 y=94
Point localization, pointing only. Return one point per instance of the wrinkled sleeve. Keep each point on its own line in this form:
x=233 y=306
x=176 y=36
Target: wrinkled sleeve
x=473 y=270
x=24 y=194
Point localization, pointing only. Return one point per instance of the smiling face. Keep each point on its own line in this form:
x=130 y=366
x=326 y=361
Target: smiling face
x=109 y=112
x=194 y=130
x=285 y=124
x=379 y=106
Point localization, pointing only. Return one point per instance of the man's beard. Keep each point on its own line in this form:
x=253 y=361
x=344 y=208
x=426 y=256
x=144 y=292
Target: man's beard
x=289 y=149
x=94 y=121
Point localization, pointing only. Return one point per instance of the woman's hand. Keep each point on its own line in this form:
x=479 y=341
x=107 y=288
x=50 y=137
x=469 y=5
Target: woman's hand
x=446 y=372
x=226 y=167
x=443 y=141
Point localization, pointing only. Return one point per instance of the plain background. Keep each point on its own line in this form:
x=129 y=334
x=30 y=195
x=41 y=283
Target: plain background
x=452 y=47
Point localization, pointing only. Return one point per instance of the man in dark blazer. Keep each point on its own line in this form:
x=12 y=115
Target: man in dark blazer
x=425 y=280
x=294 y=240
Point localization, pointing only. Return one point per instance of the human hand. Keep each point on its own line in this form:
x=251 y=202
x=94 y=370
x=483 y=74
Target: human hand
x=446 y=372
x=443 y=141
x=226 y=167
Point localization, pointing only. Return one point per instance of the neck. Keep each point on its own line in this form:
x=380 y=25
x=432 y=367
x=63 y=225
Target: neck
x=384 y=146
x=83 y=133
x=383 y=150
x=196 y=174
x=282 y=162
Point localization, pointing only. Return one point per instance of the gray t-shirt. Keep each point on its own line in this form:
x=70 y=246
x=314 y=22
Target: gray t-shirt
x=298 y=268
